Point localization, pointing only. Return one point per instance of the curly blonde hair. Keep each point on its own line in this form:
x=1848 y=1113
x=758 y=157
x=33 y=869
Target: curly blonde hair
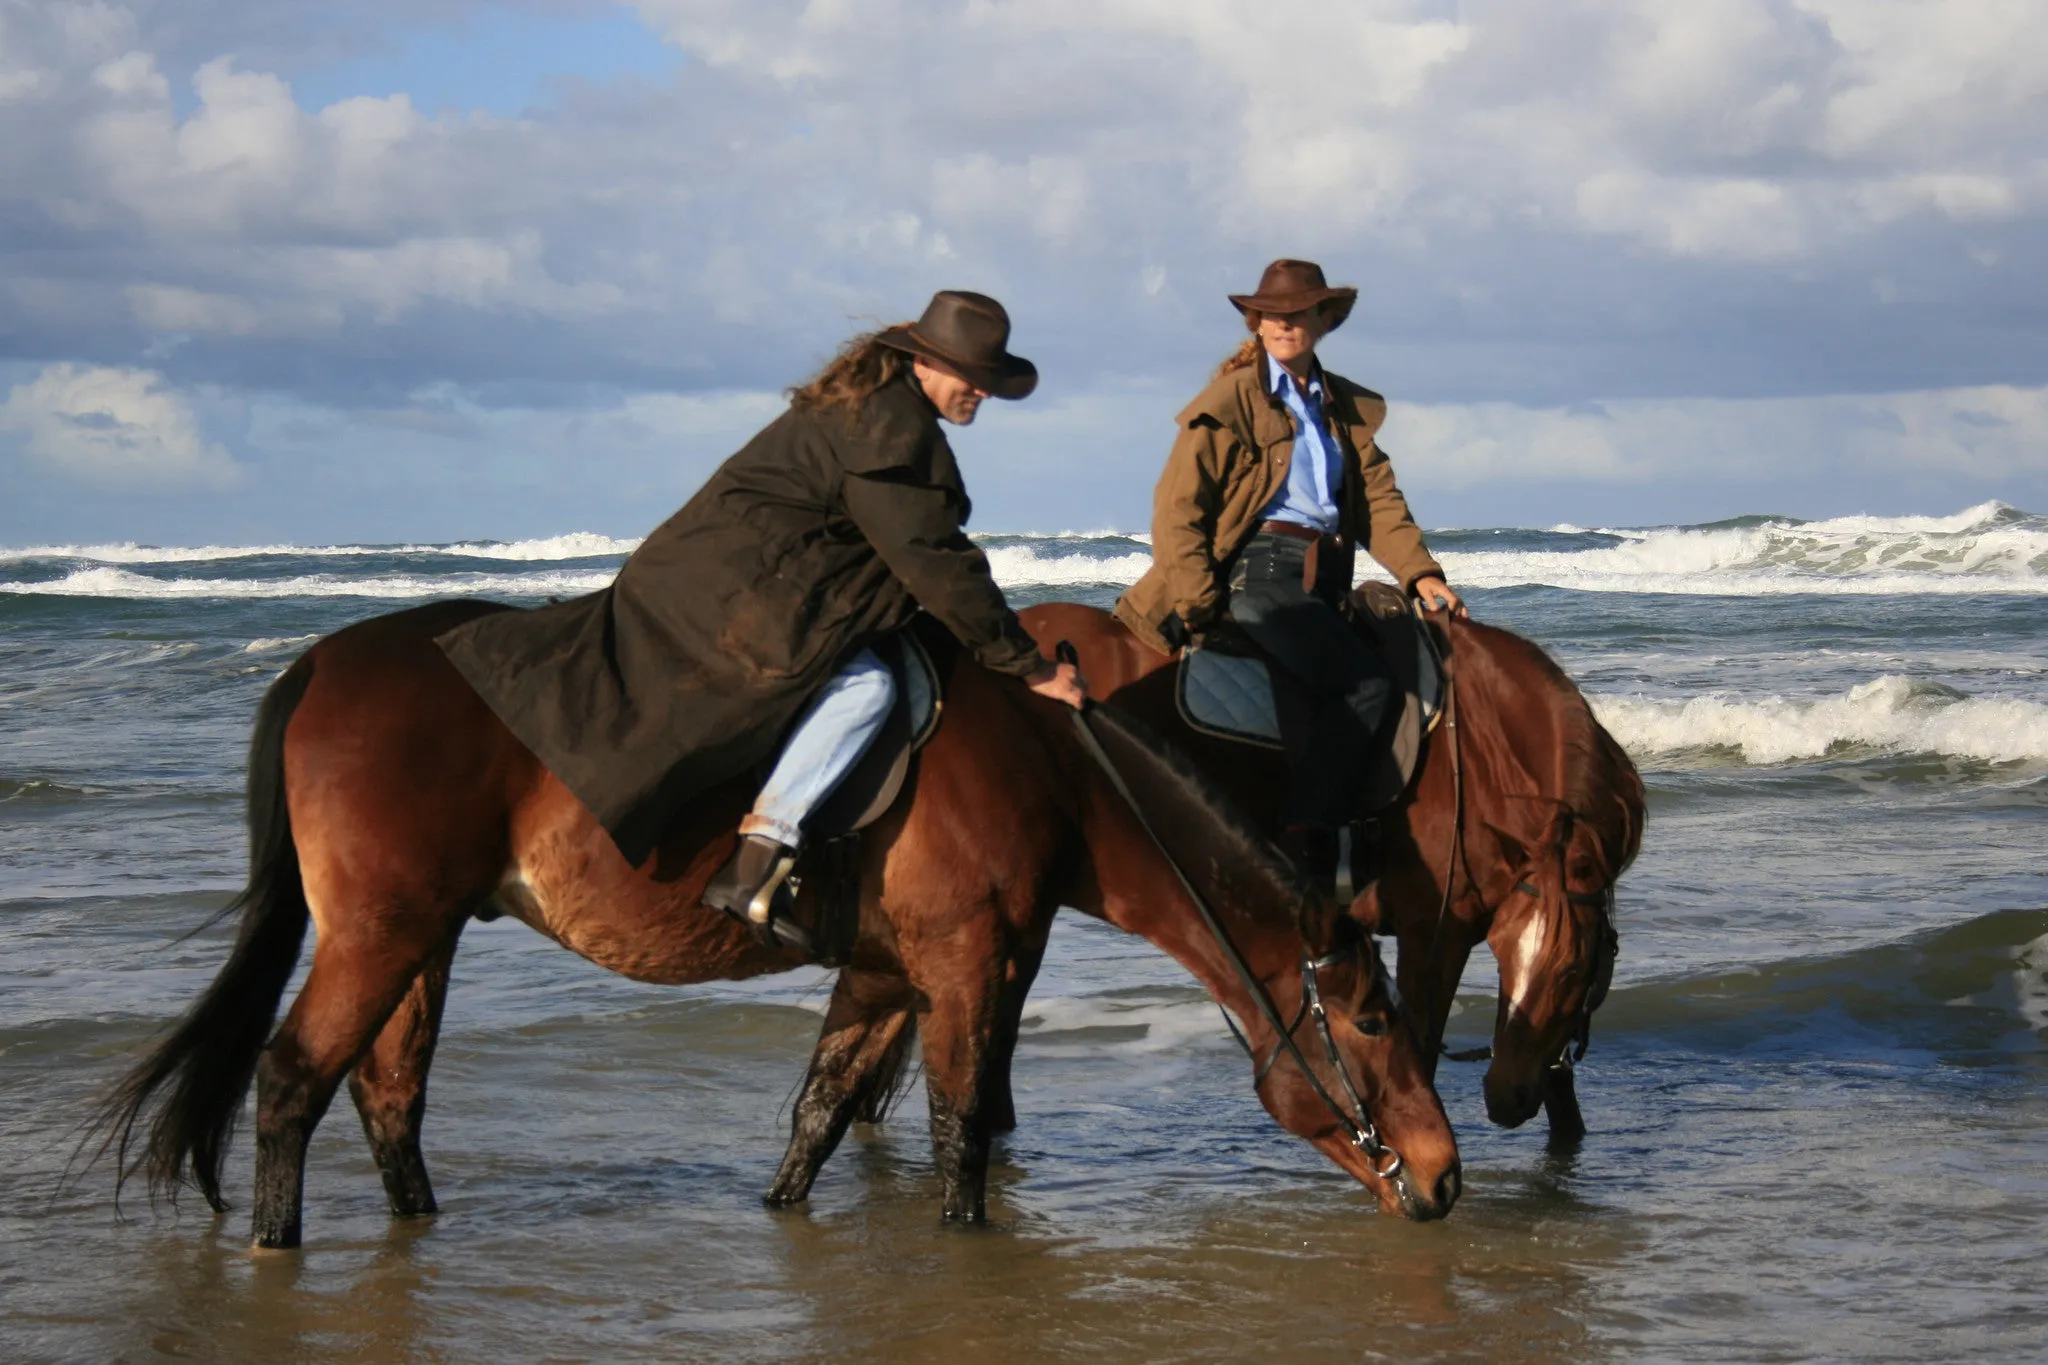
x=864 y=366
x=1247 y=351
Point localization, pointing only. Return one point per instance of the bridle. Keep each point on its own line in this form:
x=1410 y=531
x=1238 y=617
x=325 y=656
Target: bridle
x=1581 y=1036
x=1353 y=1118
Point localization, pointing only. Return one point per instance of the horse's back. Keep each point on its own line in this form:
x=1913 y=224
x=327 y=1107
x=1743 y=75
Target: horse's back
x=396 y=772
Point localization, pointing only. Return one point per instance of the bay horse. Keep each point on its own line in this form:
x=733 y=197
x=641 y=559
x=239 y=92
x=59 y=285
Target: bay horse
x=389 y=806
x=1524 y=813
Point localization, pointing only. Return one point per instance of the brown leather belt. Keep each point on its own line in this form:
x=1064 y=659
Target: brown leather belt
x=1293 y=531
x=1328 y=557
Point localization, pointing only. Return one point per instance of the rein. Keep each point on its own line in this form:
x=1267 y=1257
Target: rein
x=1356 y=1121
x=1603 y=900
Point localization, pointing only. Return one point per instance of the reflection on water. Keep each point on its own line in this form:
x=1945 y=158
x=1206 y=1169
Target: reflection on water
x=599 y=1171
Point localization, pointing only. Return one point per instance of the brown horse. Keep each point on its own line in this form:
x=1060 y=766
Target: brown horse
x=1522 y=817
x=390 y=806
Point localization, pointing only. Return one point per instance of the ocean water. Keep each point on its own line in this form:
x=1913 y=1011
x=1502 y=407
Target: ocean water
x=1818 y=1094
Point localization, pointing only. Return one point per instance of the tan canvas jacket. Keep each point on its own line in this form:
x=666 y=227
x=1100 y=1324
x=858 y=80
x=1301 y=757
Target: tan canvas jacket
x=1232 y=455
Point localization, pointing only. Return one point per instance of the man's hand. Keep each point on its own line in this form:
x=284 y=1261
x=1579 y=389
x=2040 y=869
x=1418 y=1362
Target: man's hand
x=1436 y=595
x=1061 y=682
x=1174 y=631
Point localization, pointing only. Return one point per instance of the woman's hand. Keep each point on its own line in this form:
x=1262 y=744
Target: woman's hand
x=1436 y=595
x=1061 y=682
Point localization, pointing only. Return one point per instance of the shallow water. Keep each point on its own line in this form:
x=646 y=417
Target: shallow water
x=1818 y=1093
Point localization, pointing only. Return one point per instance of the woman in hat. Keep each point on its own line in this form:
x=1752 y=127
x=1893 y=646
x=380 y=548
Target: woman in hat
x=749 y=614
x=1273 y=481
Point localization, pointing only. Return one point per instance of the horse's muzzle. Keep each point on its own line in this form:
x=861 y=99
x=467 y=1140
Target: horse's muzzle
x=1512 y=1105
x=1449 y=1186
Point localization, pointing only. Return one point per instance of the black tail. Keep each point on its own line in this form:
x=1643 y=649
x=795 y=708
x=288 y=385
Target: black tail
x=889 y=1080
x=197 y=1078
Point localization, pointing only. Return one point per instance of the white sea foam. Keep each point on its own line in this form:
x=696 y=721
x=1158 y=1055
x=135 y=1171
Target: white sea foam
x=1060 y=1023
x=108 y=581
x=1889 y=714
x=270 y=644
x=1021 y=566
x=1990 y=548
x=574 y=545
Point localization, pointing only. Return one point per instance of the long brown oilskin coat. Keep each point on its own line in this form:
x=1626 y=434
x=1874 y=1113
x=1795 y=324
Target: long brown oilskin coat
x=1235 y=446
x=824 y=533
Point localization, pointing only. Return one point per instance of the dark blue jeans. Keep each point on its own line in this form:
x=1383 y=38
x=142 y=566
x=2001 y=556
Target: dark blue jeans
x=1330 y=687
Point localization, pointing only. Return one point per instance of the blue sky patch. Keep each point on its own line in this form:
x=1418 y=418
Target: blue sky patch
x=500 y=62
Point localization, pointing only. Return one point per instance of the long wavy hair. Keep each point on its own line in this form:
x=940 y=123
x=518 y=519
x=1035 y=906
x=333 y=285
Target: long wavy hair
x=863 y=367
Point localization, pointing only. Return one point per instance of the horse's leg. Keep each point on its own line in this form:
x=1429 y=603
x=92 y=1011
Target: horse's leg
x=997 y=1099
x=389 y=1087
x=965 y=1008
x=358 y=977
x=1428 y=974
x=867 y=1019
x=1561 y=1104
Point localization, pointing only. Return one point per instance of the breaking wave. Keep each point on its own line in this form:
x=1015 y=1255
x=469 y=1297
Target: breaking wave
x=1890 y=715
x=1990 y=548
x=574 y=545
x=1014 y=566
x=115 y=582
x=1021 y=566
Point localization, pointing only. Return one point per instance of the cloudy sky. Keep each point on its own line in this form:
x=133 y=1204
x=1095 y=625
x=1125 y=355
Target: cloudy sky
x=432 y=269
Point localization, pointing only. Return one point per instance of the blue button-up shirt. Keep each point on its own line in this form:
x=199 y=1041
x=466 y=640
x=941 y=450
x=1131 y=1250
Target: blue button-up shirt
x=1315 y=474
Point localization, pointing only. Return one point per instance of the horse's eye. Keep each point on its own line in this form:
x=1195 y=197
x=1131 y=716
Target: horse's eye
x=1371 y=1025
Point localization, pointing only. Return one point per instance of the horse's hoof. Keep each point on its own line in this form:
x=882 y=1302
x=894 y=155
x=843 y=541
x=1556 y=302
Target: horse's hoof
x=778 y=1198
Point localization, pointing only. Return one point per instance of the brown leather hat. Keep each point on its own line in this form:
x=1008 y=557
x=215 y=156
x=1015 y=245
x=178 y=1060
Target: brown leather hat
x=1289 y=286
x=971 y=334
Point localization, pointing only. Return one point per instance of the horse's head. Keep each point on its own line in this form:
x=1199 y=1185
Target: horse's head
x=1553 y=936
x=1354 y=1059
x=1334 y=1064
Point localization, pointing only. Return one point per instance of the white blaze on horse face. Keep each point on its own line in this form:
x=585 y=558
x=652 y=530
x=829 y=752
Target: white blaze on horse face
x=1520 y=968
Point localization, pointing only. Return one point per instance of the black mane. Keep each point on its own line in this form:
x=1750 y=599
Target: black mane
x=1201 y=826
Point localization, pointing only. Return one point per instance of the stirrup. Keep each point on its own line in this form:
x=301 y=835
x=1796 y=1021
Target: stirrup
x=756 y=888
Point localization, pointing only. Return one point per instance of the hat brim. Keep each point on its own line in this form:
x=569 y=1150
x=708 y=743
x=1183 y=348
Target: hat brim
x=1012 y=377
x=1341 y=298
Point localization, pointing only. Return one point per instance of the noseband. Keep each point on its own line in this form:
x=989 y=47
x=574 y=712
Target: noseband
x=1355 y=1120
x=1358 y=1121
x=1581 y=1035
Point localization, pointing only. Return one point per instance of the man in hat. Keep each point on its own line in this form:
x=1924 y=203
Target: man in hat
x=1273 y=481
x=748 y=616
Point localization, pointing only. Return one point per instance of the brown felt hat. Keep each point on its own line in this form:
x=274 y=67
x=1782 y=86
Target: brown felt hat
x=971 y=334
x=1290 y=286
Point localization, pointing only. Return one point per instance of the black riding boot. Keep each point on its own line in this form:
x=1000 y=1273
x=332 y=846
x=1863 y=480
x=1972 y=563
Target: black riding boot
x=1313 y=854
x=753 y=887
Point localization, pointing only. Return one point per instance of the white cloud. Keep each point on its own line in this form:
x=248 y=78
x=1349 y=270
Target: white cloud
x=1548 y=203
x=115 y=429
x=1993 y=432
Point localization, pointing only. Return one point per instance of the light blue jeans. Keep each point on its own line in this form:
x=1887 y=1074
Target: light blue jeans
x=831 y=735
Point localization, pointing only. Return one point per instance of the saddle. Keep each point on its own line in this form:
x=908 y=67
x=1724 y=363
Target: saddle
x=826 y=881
x=1224 y=688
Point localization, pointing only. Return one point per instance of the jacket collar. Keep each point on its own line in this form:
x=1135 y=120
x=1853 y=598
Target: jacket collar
x=1270 y=374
